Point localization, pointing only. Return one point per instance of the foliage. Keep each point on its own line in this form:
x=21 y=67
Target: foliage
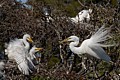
x=16 y=20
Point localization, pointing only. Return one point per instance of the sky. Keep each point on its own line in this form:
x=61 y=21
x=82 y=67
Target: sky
x=22 y=1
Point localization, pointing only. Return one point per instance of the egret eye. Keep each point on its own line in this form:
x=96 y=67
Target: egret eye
x=80 y=13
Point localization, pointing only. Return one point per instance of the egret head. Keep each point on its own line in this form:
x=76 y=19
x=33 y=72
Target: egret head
x=35 y=49
x=71 y=39
x=80 y=13
x=27 y=37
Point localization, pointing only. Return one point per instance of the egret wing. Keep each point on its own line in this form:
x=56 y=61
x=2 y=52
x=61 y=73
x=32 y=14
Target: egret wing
x=94 y=44
x=17 y=52
x=98 y=52
x=22 y=64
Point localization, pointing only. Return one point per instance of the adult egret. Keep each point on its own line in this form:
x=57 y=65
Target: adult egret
x=91 y=46
x=82 y=16
x=18 y=50
x=23 y=42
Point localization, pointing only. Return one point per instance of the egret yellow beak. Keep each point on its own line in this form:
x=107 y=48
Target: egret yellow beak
x=30 y=40
x=38 y=49
x=65 y=40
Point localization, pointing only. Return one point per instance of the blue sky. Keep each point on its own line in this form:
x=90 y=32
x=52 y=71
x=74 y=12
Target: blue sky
x=22 y=1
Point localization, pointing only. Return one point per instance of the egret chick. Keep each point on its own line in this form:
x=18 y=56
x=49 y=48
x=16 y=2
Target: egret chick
x=17 y=50
x=32 y=57
x=33 y=50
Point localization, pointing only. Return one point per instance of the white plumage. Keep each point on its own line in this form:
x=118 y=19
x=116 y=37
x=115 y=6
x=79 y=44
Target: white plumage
x=32 y=52
x=2 y=75
x=2 y=65
x=18 y=50
x=91 y=46
x=81 y=16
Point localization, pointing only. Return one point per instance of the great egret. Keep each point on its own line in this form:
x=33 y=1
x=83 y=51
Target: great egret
x=18 y=50
x=31 y=57
x=81 y=16
x=23 y=42
x=91 y=46
x=32 y=52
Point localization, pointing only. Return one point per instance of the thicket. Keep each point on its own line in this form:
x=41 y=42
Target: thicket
x=16 y=20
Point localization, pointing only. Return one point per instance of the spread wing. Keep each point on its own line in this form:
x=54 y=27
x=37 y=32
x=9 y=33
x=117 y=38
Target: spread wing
x=98 y=52
x=94 y=44
x=17 y=52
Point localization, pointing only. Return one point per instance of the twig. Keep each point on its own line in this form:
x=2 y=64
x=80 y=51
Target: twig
x=59 y=37
x=81 y=3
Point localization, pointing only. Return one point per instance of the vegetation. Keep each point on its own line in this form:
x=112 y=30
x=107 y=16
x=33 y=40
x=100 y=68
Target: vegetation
x=16 y=20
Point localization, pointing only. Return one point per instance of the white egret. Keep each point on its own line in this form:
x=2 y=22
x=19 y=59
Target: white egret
x=18 y=50
x=22 y=42
x=91 y=46
x=31 y=57
x=32 y=52
x=81 y=16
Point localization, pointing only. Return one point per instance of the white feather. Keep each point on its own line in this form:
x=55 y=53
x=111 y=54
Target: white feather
x=18 y=50
x=92 y=46
x=2 y=65
x=81 y=16
x=32 y=52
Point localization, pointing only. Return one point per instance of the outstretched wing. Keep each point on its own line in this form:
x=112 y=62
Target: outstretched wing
x=22 y=63
x=98 y=52
x=100 y=36
x=17 y=52
x=94 y=44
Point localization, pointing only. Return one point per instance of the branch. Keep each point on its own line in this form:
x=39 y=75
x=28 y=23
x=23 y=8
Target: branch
x=81 y=3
